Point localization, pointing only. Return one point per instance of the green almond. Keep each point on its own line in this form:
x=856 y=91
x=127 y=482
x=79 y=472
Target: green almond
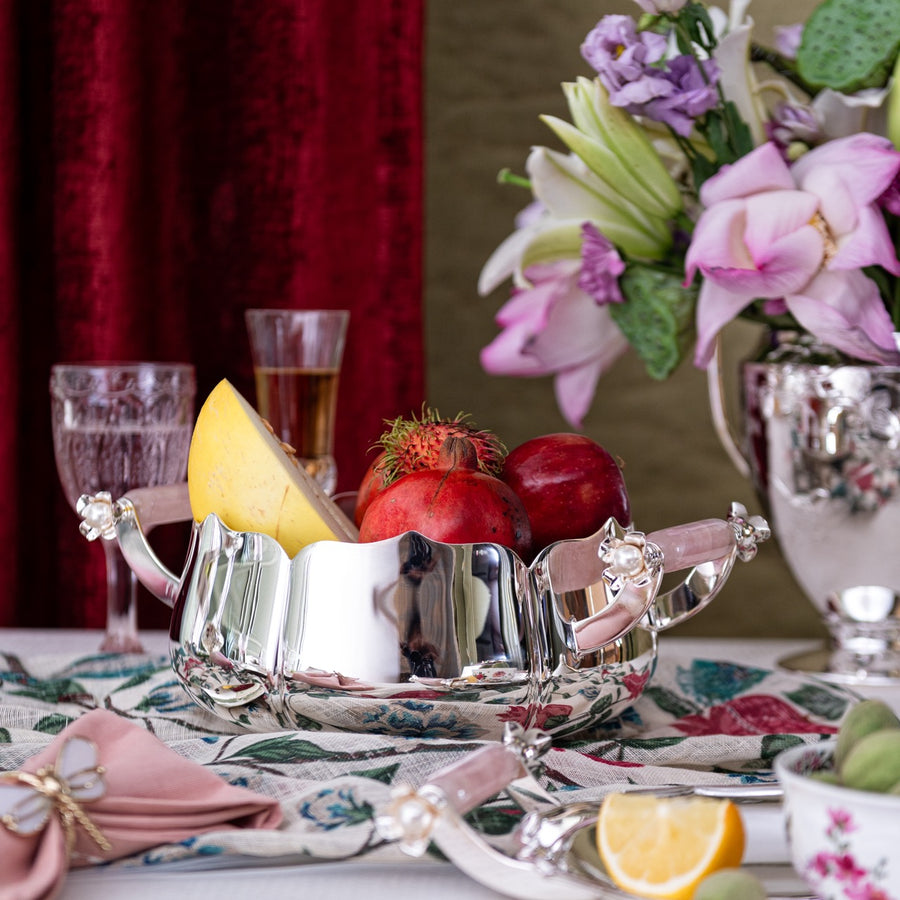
x=873 y=763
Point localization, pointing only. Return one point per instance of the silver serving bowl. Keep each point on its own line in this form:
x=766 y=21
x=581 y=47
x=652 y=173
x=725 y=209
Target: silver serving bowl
x=415 y=637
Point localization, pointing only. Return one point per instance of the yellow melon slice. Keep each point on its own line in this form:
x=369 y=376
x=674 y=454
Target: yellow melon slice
x=239 y=470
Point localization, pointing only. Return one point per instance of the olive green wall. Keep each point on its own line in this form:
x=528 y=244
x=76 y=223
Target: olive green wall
x=492 y=67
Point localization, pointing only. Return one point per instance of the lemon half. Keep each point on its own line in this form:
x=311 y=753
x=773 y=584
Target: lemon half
x=665 y=846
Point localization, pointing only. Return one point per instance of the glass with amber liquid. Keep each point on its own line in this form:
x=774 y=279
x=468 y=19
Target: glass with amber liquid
x=296 y=361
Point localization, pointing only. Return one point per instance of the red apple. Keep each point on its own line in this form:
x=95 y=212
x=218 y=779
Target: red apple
x=569 y=485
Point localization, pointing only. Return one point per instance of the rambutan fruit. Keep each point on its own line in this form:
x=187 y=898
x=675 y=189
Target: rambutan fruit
x=413 y=444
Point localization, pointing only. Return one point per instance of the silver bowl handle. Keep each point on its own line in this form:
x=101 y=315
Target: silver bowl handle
x=625 y=569
x=129 y=521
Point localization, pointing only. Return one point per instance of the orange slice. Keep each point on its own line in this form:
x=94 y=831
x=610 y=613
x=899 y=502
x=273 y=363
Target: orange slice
x=665 y=846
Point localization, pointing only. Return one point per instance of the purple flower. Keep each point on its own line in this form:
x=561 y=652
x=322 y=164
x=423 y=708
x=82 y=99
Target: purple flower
x=692 y=94
x=554 y=327
x=601 y=266
x=792 y=124
x=620 y=53
x=787 y=39
x=628 y=64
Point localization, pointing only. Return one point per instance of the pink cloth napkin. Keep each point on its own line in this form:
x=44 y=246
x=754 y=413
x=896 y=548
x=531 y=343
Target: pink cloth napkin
x=152 y=796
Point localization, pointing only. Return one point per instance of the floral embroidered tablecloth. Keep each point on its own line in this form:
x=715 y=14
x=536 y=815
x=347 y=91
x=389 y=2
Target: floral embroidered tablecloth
x=698 y=721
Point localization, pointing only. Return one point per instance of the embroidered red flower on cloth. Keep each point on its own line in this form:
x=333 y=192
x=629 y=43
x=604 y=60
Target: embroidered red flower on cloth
x=751 y=714
x=528 y=716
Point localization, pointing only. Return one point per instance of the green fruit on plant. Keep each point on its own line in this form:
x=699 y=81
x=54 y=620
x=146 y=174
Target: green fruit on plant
x=873 y=763
x=849 y=45
x=864 y=718
x=730 y=884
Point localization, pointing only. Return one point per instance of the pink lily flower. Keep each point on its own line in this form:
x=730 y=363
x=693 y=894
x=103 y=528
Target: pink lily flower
x=554 y=327
x=800 y=235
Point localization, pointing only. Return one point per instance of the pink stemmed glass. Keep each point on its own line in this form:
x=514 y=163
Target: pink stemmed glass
x=118 y=426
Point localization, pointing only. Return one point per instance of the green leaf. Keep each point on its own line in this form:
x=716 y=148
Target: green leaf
x=670 y=702
x=554 y=722
x=820 y=702
x=741 y=137
x=716 y=682
x=282 y=749
x=849 y=45
x=657 y=743
x=137 y=679
x=5 y=737
x=716 y=132
x=701 y=170
x=384 y=774
x=600 y=705
x=657 y=317
x=496 y=820
x=53 y=690
x=696 y=21
x=52 y=724
x=773 y=744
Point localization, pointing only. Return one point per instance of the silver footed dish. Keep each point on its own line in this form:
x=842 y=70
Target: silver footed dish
x=415 y=637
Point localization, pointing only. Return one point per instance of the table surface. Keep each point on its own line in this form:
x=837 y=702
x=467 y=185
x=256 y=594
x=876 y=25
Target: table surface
x=379 y=879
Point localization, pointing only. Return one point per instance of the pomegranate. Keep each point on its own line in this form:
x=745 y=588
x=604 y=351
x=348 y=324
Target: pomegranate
x=453 y=503
x=371 y=485
x=569 y=485
x=409 y=445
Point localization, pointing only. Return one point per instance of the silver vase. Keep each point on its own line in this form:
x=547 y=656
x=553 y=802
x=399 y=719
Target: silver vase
x=821 y=444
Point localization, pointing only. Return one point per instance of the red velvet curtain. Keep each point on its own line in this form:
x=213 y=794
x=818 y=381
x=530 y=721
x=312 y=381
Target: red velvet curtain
x=165 y=164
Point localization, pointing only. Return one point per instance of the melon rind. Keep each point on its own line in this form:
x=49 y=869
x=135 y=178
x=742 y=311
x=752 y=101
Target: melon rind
x=238 y=470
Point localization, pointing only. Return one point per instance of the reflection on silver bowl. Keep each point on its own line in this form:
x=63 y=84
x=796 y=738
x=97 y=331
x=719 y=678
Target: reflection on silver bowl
x=415 y=637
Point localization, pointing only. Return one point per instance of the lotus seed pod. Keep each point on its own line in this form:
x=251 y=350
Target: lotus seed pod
x=864 y=718
x=873 y=763
x=730 y=884
x=849 y=45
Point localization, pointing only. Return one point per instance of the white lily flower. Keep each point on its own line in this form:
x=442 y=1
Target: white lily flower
x=616 y=149
x=845 y=114
x=738 y=81
x=569 y=189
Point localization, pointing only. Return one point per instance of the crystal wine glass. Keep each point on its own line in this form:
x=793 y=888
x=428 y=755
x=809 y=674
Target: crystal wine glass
x=118 y=426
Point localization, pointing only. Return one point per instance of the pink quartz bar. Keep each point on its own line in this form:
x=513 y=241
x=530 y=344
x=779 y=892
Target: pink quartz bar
x=685 y=546
x=479 y=776
x=160 y=505
x=574 y=565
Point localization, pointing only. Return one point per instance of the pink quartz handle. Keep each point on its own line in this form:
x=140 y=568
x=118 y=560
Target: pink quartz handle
x=478 y=777
x=686 y=546
x=575 y=565
x=160 y=505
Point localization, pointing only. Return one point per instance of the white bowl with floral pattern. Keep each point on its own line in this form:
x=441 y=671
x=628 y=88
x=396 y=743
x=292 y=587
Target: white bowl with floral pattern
x=844 y=843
